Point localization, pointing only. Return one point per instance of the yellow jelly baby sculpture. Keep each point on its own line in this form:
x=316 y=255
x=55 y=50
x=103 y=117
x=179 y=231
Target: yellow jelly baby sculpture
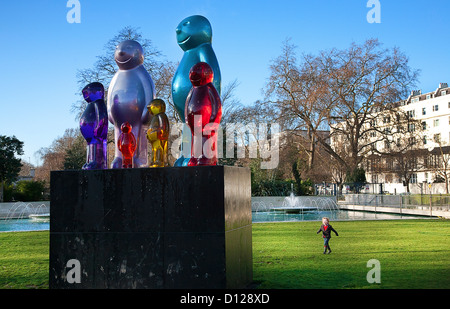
x=158 y=133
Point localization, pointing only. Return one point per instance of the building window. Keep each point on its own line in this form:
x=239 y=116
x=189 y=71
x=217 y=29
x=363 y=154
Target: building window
x=414 y=100
x=413 y=178
x=435 y=108
x=424 y=111
x=443 y=92
x=424 y=139
x=424 y=125
x=428 y=96
x=411 y=127
x=374 y=178
x=436 y=122
x=389 y=164
x=411 y=114
x=426 y=161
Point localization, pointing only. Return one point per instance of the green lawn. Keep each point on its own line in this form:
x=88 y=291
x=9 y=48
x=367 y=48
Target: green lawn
x=413 y=254
x=24 y=260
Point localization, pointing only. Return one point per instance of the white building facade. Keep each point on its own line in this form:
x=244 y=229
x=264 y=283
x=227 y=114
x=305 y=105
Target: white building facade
x=429 y=160
x=432 y=110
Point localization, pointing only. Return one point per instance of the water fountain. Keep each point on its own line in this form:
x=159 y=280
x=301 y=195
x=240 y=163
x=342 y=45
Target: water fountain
x=21 y=216
x=291 y=204
x=294 y=208
x=22 y=210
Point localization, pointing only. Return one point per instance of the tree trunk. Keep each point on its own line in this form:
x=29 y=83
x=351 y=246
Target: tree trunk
x=446 y=183
x=312 y=151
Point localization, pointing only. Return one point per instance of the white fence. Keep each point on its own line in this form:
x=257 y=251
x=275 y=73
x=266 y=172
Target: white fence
x=417 y=204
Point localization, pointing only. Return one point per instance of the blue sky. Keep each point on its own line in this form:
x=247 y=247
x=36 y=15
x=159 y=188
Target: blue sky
x=41 y=52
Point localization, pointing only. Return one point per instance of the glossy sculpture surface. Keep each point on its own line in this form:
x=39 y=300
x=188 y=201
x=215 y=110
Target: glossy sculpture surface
x=127 y=145
x=194 y=36
x=129 y=93
x=158 y=133
x=203 y=113
x=94 y=126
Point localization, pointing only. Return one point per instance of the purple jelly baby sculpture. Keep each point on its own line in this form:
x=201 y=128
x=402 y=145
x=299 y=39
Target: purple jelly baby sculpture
x=94 y=127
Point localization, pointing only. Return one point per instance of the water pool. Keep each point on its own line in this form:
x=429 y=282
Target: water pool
x=12 y=225
x=334 y=215
x=15 y=225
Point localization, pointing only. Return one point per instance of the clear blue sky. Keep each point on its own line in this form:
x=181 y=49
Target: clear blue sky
x=41 y=51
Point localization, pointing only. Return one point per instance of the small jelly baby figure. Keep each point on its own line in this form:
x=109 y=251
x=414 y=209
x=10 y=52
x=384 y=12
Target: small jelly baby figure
x=203 y=113
x=127 y=145
x=158 y=132
x=94 y=127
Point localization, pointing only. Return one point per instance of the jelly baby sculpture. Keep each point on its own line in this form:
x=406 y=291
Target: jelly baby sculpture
x=194 y=36
x=203 y=113
x=130 y=91
x=127 y=145
x=158 y=133
x=94 y=126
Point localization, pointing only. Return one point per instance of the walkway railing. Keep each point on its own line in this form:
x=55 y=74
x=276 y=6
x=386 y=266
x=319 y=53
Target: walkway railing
x=434 y=205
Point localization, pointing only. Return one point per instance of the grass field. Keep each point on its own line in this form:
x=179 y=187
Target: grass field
x=413 y=254
x=24 y=260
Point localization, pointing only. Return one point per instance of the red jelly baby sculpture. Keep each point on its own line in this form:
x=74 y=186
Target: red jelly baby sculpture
x=127 y=145
x=203 y=111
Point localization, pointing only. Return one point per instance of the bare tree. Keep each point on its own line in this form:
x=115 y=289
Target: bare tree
x=345 y=91
x=365 y=80
x=298 y=98
x=54 y=156
x=441 y=164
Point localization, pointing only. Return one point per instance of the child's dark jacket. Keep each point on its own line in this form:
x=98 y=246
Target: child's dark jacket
x=326 y=232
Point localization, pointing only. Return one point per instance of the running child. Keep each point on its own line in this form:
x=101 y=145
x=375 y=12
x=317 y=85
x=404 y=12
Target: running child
x=326 y=229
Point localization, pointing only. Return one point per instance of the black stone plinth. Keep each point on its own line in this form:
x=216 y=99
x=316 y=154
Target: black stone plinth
x=156 y=228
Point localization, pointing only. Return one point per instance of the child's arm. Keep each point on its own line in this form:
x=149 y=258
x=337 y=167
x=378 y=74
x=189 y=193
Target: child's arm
x=334 y=231
x=320 y=229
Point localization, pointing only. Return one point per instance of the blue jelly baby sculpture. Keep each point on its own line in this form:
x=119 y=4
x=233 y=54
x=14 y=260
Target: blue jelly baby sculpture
x=194 y=36
x=94 y=126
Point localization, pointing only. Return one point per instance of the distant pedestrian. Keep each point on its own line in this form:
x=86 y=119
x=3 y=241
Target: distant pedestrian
x=326 y=229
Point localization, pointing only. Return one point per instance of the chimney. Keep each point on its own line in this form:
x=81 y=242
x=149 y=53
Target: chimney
x=416 y=92
x=443 y=85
